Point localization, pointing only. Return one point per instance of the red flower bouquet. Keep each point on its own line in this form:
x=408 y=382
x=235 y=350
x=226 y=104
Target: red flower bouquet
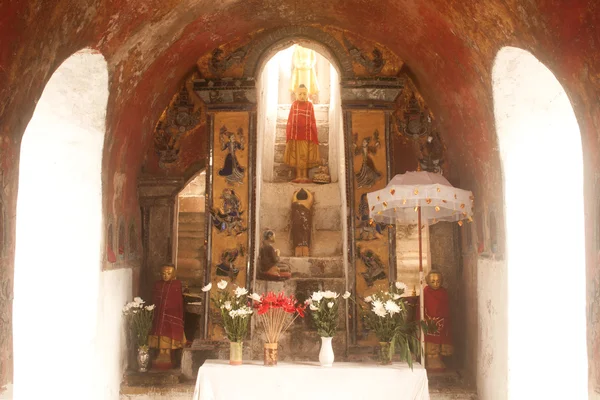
x=276 y=314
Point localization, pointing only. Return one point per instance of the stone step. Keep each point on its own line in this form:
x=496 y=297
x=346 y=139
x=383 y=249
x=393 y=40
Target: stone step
x=190 y=227
x=190 y=241
x=311 y=267
x=324 y=243
x=191 y=217
x=184 y=261
x=189 y=252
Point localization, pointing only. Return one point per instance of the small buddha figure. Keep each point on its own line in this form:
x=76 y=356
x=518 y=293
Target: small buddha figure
x=167 y=325
x=302 y=202
x=439 y=343
x=302 y=143
x=270 y=266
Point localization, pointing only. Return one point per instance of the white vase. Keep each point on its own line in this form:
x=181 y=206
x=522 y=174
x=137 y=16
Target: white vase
x=326 y=354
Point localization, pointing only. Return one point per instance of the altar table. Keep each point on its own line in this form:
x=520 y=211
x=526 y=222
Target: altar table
x=217 y=380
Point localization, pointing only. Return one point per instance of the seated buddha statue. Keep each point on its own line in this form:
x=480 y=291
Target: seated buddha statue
x=270 y=266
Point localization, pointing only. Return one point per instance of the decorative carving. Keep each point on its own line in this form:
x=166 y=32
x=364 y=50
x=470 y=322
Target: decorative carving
x=415 y=123
x=366 y=228
x=374 y=65
x=232 y=171
x=368 y=174
x=226 y=267
x=180 y=120
x=219 y=64
x=432 y=154
x=375 y=267
x=228 y=218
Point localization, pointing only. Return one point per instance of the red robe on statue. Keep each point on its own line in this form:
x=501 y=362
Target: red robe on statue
x=168 y=315
x=436 y=308
x=301 y=123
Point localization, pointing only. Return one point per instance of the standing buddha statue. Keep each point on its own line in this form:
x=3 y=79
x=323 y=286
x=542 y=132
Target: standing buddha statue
x=167 y=325
x=439 y=342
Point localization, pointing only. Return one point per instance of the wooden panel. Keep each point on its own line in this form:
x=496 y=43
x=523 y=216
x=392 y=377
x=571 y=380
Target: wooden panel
x=230 y=203
x=370 y=173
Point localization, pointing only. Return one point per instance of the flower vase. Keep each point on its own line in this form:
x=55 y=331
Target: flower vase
x=270 y=354
x=143 y=358
x=235 y=353
x=385 y=354
x=326 y=355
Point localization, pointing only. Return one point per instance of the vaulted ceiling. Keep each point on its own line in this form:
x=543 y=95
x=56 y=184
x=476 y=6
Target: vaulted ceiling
x=449 y=46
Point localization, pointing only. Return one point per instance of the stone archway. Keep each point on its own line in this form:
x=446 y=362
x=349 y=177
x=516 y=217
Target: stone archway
x=58 y=259
x=269 y=43
x=541 y=153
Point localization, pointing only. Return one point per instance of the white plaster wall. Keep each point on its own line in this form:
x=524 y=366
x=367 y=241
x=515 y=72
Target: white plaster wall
x=111 y=349
x=540 y=148
x=492 y=321
x=59 y=237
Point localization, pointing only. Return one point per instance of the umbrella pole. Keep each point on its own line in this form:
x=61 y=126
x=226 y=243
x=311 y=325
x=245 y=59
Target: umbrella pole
x=421 y=295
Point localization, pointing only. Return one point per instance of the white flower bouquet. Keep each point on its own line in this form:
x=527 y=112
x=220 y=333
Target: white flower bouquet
x=139 y=318
x=234 y=308
x=386 y=314
x=323 y=307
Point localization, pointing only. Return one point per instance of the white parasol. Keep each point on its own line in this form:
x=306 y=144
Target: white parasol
x=416 y=198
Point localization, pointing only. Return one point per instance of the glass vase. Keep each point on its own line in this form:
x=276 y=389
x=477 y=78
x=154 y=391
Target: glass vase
x=385 y=354
x=235 y=353
x=143 y=358
x=270 y=354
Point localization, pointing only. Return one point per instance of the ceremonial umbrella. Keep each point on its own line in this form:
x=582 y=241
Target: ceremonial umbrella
x=416 y=198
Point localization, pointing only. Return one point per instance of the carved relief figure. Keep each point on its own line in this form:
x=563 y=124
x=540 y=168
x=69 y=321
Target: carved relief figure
x=302 y=202
x=302 y=143
x=226 y=266
x=167 y=325
x=375 y=267
x=304 y=61
x=437 y=309
x=368 y=174
x=367 y=228
x=270 y=266
x=232 y=170
x=228 y=218
x=179 y=122
x=372 y=65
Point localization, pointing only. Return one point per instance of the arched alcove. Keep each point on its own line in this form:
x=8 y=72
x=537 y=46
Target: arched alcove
x=59 y=239
x=540 y=148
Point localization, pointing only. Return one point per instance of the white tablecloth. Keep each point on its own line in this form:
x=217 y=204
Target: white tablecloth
x=217 y=380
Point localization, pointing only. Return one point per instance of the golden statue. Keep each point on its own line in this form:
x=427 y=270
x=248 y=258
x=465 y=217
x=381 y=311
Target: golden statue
x=302 y=143
x=304 y=61
x=437 y=309
x=167 y=325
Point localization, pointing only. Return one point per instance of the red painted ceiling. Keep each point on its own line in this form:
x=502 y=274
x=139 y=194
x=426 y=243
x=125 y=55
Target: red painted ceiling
x=449 y=45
